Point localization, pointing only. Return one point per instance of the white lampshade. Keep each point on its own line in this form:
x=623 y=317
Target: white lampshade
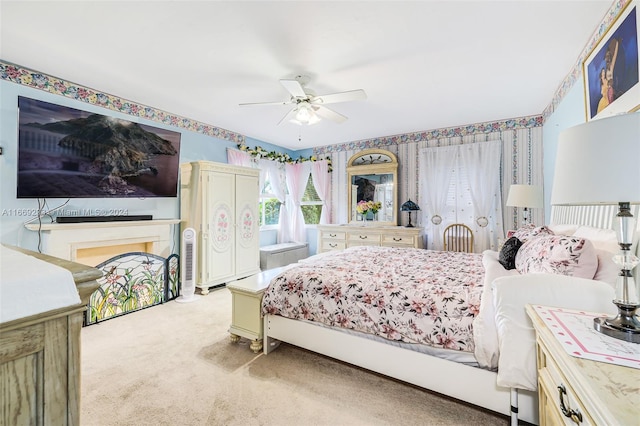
x=525 y=196
x=599 y=162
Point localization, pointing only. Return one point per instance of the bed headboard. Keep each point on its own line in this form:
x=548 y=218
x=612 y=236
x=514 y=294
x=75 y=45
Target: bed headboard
x=599 y=216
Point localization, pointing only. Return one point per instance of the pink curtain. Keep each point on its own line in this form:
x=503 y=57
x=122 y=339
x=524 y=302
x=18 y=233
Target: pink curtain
x=322 y=184
x=297 y=176
x=238 y=158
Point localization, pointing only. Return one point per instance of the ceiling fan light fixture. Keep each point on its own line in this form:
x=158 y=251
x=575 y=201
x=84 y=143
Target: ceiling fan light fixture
x=305 y=115
x=307 y=107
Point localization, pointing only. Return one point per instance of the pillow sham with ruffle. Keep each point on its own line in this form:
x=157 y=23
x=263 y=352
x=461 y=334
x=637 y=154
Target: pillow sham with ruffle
x=558 y=254
x=530 y=231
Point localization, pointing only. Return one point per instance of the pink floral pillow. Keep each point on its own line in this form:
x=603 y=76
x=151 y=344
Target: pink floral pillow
x=530 y=231
x=558 y=254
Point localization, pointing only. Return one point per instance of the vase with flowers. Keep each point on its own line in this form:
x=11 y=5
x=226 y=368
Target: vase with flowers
x=368 y=209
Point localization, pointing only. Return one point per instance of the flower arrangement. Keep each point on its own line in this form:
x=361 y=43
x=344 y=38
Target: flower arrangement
x=364 y=206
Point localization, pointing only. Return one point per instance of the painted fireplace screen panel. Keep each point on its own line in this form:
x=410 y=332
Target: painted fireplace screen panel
x=130 y=282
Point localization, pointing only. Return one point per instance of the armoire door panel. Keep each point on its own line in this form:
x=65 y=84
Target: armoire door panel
x=247 y=229
x=221 y=205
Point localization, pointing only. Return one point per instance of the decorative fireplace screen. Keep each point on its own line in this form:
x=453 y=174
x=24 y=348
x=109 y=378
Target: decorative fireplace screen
x=130 y=282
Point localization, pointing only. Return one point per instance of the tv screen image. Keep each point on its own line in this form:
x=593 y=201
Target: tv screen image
x=69 y=153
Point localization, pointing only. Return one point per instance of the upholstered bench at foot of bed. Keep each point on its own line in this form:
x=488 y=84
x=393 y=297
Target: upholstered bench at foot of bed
x=282 y=254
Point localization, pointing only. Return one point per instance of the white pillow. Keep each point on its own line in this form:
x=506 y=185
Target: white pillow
x=516 y=338
x=607 y=271
x=485 y=334
x=564 y=229
x=602 y=239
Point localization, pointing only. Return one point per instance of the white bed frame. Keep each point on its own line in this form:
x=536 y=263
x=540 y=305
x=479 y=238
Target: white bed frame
x=470 y=384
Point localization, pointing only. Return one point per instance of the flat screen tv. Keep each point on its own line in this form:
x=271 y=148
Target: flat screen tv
x=69 y=153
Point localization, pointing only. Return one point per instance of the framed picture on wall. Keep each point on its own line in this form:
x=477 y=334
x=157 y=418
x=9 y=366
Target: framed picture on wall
x=610 y=70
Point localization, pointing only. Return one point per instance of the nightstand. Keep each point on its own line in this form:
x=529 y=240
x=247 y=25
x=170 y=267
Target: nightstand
x=574 y=390
x=246 y=300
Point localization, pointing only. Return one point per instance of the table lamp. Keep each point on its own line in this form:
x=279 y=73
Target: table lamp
x=409 y=206
x=527 y=196
x=599 y=163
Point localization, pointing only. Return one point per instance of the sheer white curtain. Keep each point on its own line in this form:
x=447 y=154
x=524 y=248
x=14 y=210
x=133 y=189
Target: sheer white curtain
x=322 y=184
x=297 y=176
x=238 y=158
x=265 y=170
x=435 y=178
x=482 y=164
x=275 y=172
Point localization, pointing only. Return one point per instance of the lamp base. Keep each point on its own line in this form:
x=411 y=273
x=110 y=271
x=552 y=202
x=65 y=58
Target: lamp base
x=625 y=326
x=409 y=225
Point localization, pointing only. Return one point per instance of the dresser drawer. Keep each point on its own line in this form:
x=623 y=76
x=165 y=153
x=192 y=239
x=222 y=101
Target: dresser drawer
x=363 y=238
x=398 y=241
x=574 y=414
x=550 y=382
x=328 y=235
x=333 y=245
x=339 y=237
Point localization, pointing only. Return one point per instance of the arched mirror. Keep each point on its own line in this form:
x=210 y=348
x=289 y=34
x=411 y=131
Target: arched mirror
x=372 y=177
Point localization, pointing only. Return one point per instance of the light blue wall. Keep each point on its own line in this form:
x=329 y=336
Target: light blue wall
x=568 y=113
x=14 y=212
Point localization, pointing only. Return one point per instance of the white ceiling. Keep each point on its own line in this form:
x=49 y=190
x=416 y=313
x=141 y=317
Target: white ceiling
x=423 y=64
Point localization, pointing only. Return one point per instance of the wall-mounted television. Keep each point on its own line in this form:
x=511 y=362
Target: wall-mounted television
x=69 y=153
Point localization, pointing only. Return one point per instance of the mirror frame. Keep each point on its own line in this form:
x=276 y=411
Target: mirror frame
x=363 y=163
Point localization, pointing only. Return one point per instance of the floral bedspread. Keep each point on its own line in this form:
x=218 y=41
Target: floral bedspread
x=409 y=295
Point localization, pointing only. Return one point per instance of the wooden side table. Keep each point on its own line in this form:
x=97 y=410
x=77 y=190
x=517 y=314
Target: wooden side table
x=579 y=391
x=246 y=299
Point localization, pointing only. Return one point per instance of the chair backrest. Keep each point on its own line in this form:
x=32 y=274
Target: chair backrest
x=458 y=237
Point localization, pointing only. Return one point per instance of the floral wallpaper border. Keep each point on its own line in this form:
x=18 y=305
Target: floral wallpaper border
x=36 y=80
x=449 y=132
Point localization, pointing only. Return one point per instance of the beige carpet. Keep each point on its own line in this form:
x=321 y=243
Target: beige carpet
x=174 y=364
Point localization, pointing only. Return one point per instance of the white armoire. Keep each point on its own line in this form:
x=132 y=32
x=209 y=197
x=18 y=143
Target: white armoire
x=220 y=202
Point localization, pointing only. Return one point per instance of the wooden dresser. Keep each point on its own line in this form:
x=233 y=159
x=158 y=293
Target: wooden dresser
x=40 y=357
x=339 y=237
x=578 y=391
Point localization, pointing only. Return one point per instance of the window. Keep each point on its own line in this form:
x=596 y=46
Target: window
x=311 y=204
x=269 y=207
x=459 y=202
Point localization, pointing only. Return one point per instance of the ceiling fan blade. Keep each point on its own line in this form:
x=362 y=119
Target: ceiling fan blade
x=294 y=88
x=329 y=114
x=267 y=103
x=290 y=116
x=332 y=98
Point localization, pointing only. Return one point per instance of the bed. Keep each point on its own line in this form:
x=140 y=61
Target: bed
x=439 y=320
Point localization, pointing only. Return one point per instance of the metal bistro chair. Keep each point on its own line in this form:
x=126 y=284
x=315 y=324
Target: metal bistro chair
x=458 y=237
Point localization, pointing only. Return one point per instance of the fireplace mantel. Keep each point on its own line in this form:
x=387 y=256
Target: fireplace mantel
x=91 y=243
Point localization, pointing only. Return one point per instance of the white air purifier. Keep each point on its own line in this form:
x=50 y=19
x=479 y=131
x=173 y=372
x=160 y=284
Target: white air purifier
x=188 y=266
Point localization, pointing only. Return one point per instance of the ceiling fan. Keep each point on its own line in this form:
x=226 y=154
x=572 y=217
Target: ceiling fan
x=309 y=108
